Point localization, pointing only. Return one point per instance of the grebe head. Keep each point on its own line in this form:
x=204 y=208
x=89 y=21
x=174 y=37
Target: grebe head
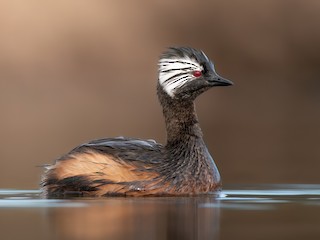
x=185 y=72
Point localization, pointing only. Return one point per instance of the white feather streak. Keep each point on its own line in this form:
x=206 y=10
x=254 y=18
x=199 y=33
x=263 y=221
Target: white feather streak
x=175 y=72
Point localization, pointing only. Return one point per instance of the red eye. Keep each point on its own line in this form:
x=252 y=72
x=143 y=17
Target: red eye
x=197 y=73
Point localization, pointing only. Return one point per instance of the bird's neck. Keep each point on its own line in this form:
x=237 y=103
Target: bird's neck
x=181 y=120
x=187 y=155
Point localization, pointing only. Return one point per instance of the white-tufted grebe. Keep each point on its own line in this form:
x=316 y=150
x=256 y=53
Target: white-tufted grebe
x=134 y=167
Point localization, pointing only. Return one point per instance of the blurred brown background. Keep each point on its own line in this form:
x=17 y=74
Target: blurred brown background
x=72 y=71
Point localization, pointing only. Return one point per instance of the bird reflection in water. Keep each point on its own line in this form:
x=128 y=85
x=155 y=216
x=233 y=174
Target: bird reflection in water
x=143 y=218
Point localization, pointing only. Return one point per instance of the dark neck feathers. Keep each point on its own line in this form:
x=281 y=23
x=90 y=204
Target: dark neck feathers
x=185 y=147
x=180 y=117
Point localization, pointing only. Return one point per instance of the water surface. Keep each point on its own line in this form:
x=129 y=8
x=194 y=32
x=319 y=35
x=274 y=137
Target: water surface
x=238 y=212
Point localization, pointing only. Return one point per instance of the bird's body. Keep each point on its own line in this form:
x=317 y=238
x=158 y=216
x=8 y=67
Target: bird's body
x=134 y=167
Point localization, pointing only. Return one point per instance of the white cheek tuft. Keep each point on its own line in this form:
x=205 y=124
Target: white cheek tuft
x=175 y=72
